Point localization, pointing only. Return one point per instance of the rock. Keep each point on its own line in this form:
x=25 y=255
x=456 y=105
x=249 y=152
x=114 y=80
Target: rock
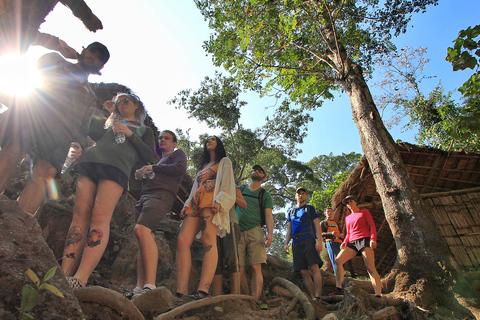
x=154 y=302
x=22 y=247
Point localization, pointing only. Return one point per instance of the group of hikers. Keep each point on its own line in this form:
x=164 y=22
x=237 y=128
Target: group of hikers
x=228 y=219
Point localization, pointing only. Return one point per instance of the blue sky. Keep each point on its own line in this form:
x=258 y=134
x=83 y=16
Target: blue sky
x=156 y=49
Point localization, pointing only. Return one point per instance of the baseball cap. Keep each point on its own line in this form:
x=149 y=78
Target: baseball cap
x=102 y=49
x=262 y=168
x=301 y=188
x=344 y=201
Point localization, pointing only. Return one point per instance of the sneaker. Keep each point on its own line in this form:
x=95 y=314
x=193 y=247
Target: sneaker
x=74 y=283
x=180 y=295
x=317 y=299
x=336 y=292
x=198 y=295
x=143 y=291
x=129 y=295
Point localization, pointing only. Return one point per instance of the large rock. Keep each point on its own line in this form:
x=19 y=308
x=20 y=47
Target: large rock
x=22 y=247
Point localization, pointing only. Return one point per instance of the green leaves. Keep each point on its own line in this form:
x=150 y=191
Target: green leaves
x=29 y=298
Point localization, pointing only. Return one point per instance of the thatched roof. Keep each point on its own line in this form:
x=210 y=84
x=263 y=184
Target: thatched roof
x=449 y=183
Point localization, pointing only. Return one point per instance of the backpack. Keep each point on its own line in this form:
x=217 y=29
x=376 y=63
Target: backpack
x=313 y=230
x=260 y=202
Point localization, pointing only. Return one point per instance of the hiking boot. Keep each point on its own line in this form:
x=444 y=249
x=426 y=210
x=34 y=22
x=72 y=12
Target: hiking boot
x=336 y=292
x=74 y=283
x=198 y=295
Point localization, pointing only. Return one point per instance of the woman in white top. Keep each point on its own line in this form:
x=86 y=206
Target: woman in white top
x=206 y=210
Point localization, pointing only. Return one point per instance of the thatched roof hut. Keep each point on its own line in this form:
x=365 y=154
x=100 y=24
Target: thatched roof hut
x=449 y=183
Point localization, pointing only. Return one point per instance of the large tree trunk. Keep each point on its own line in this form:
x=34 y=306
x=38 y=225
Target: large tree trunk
x=425 y=269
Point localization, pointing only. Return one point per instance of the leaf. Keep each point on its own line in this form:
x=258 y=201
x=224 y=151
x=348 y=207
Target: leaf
x=52 y=289
x=50 y=274
x=33 y=277
x=27 y=316
x=29 y=298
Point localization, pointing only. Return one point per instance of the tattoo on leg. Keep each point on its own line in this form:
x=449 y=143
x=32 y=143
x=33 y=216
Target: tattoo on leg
x=204 y=223
x=207 y=249
x=70 y=255
x=74 y=236
x=94 y=238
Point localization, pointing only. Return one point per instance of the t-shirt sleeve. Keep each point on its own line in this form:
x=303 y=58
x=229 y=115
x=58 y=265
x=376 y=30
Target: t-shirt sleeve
x=267 y=200
x=371 y=225
x=314 y=213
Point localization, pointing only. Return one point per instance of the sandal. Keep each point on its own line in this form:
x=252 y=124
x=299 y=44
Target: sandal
x=74 y=283
x=198 y=295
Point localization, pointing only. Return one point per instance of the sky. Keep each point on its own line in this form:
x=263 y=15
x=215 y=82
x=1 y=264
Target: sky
x=156 y=50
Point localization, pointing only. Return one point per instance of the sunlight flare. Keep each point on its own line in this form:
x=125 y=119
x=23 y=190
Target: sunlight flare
x=18 y=75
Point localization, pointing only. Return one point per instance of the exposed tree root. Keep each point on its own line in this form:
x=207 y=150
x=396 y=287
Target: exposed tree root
x=298 y=294
x=201 y=303
x=92 y=297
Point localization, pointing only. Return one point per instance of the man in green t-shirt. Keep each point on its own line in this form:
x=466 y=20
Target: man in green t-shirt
x=252 y=245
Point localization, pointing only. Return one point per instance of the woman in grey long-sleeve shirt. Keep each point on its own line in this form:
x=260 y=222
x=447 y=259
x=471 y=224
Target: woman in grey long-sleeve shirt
x=104 y=171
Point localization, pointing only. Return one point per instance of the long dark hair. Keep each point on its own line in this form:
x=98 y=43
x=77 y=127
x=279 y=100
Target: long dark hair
x=219 y=153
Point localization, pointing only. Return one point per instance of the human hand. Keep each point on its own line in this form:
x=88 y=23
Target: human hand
x=182 y=213
x=109 y=105
x=217 y=207
x=67 y=51
x=335 y=233
x=319 y=246
x=286 y=249
x=93 y=24
x=373 y=244
x=121 y=127
x=75 y=150
x=268 y=240
x=343 y=245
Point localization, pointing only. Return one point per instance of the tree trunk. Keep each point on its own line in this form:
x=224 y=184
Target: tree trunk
x=422 y=255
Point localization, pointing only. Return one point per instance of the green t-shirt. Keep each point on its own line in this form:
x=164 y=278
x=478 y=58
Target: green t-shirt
x=250 y=216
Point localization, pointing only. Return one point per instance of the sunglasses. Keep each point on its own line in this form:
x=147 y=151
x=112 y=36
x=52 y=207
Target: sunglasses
x=259 y=170
x=118 y=103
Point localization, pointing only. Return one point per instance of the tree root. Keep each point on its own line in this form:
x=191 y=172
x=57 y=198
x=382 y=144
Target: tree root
x=298 y=294
x=201 y=303
x=108 y=298
x=279 y=291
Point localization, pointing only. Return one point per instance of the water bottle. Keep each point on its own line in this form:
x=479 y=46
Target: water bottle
x=69 y=160
x=147 y=175
x=119 y=136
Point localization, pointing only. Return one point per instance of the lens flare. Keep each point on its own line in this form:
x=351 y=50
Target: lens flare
x=18 y=75
x=52 y=192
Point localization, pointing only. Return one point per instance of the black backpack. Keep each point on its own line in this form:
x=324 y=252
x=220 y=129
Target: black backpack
x=260 y=202
x=313 y=230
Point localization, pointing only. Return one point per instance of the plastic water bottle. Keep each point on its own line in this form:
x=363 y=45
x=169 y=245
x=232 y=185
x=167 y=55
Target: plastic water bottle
x=119 y=136
x=69 y=160
x=148 y=175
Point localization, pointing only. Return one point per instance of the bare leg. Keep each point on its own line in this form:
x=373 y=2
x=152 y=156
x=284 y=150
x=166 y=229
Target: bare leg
x=307 y=279
x=257 y=281
x=344 y=255
x=108 y=193
x=217 y=285
x=149 y=255
x=210 y=255
x=10 y=156
x=369 y=259
x=243 y=282
x=317 y=280
x=190 y=227
x=77 y=234
x=33 y=195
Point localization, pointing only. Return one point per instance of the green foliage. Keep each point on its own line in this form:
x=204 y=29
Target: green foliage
x=294 y=45
x=462 y=56
x=322 y=199
x=30 y=294
x=436 y=116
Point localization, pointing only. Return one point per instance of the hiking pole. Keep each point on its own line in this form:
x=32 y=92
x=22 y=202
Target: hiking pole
x=232 y=230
